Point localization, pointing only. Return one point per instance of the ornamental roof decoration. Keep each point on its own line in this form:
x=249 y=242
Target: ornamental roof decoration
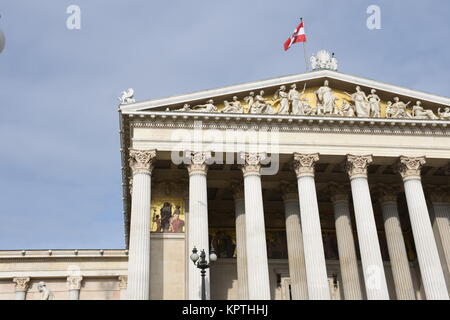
x=323 y=60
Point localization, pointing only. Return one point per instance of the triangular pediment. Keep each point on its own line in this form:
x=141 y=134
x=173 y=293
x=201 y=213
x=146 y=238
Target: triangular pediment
x=341 y=85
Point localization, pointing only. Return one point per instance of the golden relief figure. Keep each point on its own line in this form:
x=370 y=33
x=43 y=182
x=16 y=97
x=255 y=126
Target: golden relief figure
x=167 y=216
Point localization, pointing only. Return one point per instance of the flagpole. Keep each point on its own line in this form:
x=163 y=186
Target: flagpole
x=304 y=48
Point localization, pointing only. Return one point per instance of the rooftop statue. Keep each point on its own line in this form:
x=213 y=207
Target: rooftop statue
x=323 y=60
x=127 y=97
x=374 y=104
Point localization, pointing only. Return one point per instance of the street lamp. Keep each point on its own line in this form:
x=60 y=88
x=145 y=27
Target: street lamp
x=201 y=263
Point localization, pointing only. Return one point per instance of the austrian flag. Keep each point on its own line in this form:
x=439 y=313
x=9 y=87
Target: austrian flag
x=297 y=36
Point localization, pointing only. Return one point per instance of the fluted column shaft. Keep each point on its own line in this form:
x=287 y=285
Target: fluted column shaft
x=21 y=287
x=198 y=221
x=440 y=198
x=430 y=266
x=404 y=288
x=257 y=262
x=241 y=248
x=141 y=162
x=372 y=262
x=296 y=255
x=346 y=245
x=316 y=272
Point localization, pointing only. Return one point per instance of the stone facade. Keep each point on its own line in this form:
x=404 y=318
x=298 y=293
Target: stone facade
x=301 y=198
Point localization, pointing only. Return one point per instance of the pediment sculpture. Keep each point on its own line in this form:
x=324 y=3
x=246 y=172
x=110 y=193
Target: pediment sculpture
x=327 y=103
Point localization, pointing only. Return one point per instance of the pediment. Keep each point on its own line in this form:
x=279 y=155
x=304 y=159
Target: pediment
x=308 y=85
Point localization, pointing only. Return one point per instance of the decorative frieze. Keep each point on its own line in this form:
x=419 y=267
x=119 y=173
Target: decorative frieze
x=22 y=283
x=142 y=161
x=304 y=164
x=198 y=162
x=356 y=166
x=409 y=167
x=74 y=283
x=252 y=162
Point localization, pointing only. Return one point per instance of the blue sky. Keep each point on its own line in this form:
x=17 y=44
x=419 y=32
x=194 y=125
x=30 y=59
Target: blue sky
x=60 y=178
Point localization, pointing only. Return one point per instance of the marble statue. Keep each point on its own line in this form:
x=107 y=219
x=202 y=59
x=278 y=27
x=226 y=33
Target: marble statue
x=347 y=110
x=261 y=105
x=294 y=96
x=300 y=106
x=389 y=110
x=398 y=109
x=323 y=60
x=234 y=106
x=325 y=99
x=46 y=294
x=445 y=115
x=360 y=99
x=418 y=112
x=127 y=97
x=186 y=108
x=250 y=99
x=284 y=101
x=374 y=104
x=207 y=107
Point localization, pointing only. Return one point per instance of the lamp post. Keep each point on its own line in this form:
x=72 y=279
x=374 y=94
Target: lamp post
x=201 y=263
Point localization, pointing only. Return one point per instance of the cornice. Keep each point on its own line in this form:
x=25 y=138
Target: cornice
x=325 y=124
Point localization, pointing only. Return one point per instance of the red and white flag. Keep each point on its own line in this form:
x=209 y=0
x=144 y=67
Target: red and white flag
x=297 y=36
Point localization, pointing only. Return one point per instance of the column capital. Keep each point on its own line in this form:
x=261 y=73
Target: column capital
x=21 y=283
x=304 y=164
x=438 y=194
x=252 y=163
x=74 y=282
x=356 y=165
x=198 y=162
x=123 y=282
x=409 y=167
x=142 y=161
x=289 y=191
x=338 y=192
x=238 y=190
x=386 y=193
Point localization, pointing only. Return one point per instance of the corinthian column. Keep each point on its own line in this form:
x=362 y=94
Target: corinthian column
x=427 y=253
x=198 y=220
x=241 y=250
x=141 y=163
x=21 y=287
x=387 y=196
x=74 y=286
x=296 y=255
x=372 y=263
x=316 y=271
x=257 y=264
x=346 y=242
x=440 y=199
